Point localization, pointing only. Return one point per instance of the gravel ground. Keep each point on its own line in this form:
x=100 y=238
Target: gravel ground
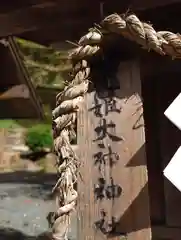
x=24 y=207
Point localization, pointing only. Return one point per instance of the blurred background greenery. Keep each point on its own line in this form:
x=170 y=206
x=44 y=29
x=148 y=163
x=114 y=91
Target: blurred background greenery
x=46 y=66
x=48 y=70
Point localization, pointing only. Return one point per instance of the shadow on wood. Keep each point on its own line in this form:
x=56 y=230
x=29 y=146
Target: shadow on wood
x=137 y=159
x=135 y=209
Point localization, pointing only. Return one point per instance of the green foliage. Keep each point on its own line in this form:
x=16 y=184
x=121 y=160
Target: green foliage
x=9 y=124
x=45 y=65
x=39 y=137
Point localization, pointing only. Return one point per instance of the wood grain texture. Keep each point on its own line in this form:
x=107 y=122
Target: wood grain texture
x=131 y=209
x=43 y=14
x=135 y=205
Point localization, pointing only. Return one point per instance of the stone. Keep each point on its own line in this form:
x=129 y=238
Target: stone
x=31 y=166
x=20 y=148
x=8 y=160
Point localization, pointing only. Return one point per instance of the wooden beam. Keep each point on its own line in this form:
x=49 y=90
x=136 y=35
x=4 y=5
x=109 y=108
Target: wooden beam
x=66 y=13
x=142 y=4
x=72 y=29
x=164 y=232
x=67 y=31
x=17 y=91
x=17 y=108
x=45 y=14
x=11 y=5
x=114 y=5
x=21 y=20
x=25 y=78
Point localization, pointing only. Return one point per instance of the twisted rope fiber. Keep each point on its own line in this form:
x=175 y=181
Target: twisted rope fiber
x=64 y=116
x=68 y=102
x=130 y=27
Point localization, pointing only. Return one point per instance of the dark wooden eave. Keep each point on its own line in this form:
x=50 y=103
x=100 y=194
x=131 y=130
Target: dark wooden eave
x=45 y=21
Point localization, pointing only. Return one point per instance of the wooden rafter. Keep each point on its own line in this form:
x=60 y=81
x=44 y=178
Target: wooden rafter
x=65 y=16
x=21 y=90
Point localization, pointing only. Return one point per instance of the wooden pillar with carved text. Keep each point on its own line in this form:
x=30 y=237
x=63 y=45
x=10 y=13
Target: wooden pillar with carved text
x=113 y=192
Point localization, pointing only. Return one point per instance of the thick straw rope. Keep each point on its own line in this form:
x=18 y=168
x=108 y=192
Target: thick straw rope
x=64 y=115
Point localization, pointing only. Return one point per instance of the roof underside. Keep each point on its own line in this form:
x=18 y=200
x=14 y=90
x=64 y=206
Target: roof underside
x=47 y=21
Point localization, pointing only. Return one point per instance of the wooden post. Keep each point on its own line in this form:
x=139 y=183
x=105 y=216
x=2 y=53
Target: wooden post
x=113 y=195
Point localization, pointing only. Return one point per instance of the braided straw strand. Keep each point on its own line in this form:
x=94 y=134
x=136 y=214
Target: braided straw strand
x=164 y=43
x=64 y=116
x=130 y=27
x=84 y=51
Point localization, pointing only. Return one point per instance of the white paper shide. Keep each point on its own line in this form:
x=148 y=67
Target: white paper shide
x=173 y=170
x=173 y=112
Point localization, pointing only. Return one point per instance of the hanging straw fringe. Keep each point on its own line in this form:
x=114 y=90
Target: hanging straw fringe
x=68 y=102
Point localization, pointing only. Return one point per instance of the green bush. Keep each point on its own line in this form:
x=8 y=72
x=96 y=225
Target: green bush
x=39 y=137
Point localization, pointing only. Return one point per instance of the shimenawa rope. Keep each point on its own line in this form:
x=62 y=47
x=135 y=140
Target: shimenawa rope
x=68 y=101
